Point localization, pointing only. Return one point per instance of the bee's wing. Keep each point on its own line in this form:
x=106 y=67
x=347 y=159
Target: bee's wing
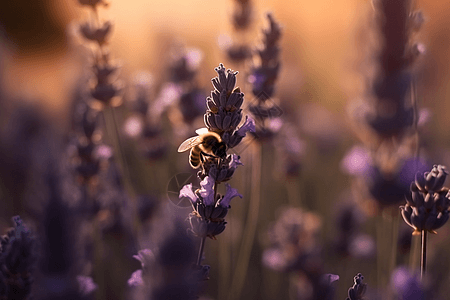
x=201 y=131
x=190 y=143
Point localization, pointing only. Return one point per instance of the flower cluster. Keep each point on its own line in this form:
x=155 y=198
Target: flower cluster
x=265 y=74
x=208 y=151
x=86 y=147
x=391 y=113
x=384 y=178
x=224 y=113
x=242 y=15
x=210 y=208
x=182 y=70
x=295 y=247
x=141 y=125
x=166 y=271
x=222 y=117
x=105 y=88
x=263 y=77
x=427 y=206
x=293 y=241
x=407 y=285
x=237 y=49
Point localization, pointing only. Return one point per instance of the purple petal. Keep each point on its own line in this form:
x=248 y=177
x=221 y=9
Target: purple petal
x=136 y=279
x=207 y=190
x=186 y=191
x=249 y=125
x=235 y=162
x=86 y=285
x=230 y=194
x=144 y=256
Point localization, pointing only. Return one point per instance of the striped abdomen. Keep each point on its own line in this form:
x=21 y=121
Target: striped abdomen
x=194 y=157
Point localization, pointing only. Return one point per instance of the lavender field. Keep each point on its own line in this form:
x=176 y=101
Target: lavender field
x=224 y=150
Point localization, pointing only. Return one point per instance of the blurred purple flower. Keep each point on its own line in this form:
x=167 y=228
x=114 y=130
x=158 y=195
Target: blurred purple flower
x=407 y=284
x=136 y=279
x=86 y=285
x=133 y=126
x=362 y=246
x=293 y=239
x=357 y=161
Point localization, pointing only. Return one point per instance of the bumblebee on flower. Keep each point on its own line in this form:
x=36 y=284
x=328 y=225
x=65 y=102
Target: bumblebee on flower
x=208 y=151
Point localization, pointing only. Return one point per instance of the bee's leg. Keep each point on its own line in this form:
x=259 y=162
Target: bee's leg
x=202 y=159
x=203 y=155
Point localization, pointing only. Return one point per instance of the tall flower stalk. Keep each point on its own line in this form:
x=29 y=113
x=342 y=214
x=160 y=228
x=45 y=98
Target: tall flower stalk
x=426 y=208
x=387 y=120
x=209 y=153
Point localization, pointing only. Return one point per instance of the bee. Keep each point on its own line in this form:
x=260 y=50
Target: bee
x=207 y=143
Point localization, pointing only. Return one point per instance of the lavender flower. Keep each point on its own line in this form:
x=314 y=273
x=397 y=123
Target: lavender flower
x=407 y=285
x=238 y=53
x=207 y=220
x=182 y=71
x=386 y=186
x=86 y=284
x=224 y=111
x=427 y=206
x=17 y=261
x=293 y=241
x=222 y=119
x=104 y=88
x=143 y=124
x=294 y=247
x=97 y=34
x=264 y=76
x=167 y=271
x=397 y=25
x=242 y=15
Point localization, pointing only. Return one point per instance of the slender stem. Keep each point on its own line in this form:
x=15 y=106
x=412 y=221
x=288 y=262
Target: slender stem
x=416 y=122
x=250 y=229
x=202 y=242
x=423 y=261
x=200 y=251
x=380 y=238
x=120 y=149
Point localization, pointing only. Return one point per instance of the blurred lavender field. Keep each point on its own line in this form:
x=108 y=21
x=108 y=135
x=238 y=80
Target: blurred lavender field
x=227 y=150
